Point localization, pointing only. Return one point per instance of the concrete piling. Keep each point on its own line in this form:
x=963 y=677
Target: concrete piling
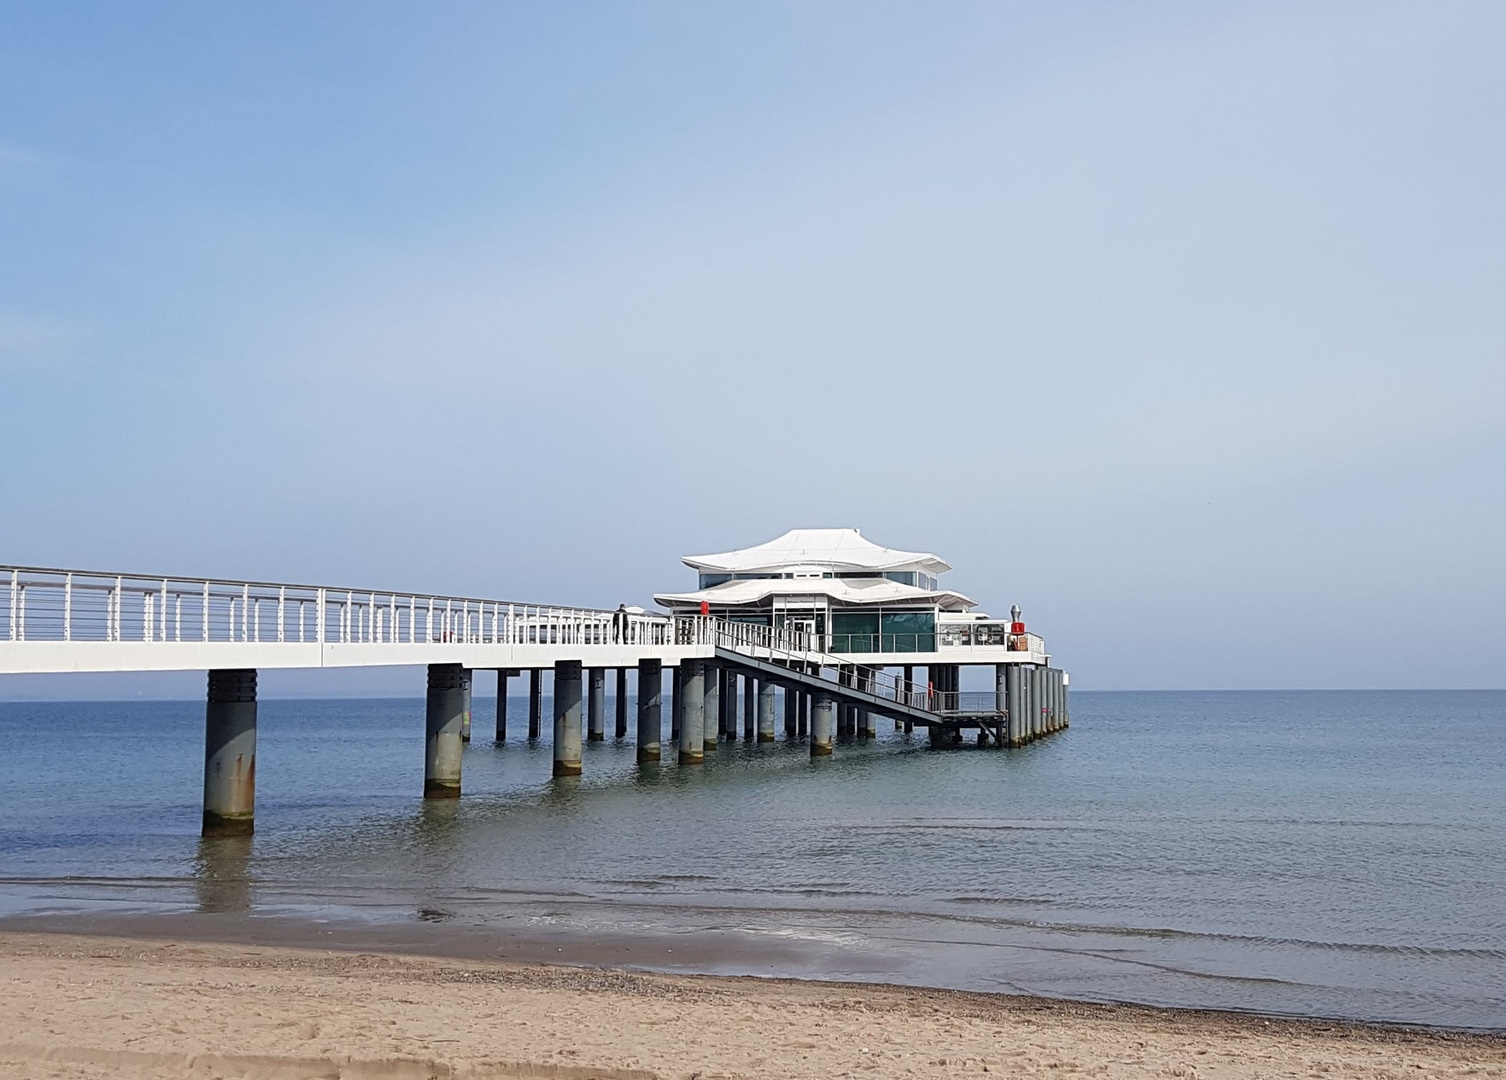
x=822 y=718
x=766 y=712
x=711 y=703
x=806 y=705
x=1013 y=704
x=596 y=705
x=503 y=674
x=750 y=708
x=230 y=753
x=1037 y=700
x=444 y=710
x=676 y=700
x=650 y=729
x=465 y=719
x=622 y=704
x=791 y=712
x=535 y=702
x=692 y=709
x=567 y=694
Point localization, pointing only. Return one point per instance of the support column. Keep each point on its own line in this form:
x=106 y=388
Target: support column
x=692 y=698
x=1066 y=700
x=230 y=753
x=907 y=687
x=465 y=716
x=711 y=703
x=535 y=702
x=567 y=680
x=650 y=726
x=870 y=724
x=1042 y=702
x=729 y=705
x=1013 y=704
x=1033 y=718
x=503 y=674
x=791 y=712
x=676 y=700
x=596 y=706
x=622 y=705
x=443 y=714
x=766 y=712
x=805 y=703
x=822 y=717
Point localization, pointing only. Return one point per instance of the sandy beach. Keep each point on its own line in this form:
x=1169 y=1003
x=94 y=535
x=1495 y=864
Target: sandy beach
x=97 y=1006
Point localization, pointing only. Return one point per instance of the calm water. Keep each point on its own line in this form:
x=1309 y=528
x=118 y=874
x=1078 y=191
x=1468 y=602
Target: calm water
x=1334 y=853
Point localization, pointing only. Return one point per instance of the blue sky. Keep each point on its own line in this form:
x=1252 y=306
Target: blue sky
x=1179 y=325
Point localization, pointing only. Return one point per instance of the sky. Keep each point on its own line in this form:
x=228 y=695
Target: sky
x=1179 y=325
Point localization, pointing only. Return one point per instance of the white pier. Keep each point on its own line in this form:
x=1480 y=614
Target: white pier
x=59 y=621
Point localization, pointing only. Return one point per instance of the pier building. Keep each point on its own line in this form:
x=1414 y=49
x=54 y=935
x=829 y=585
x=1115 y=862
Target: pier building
x=820 y=625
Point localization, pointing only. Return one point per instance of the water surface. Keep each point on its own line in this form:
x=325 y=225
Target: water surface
x=1319 y=853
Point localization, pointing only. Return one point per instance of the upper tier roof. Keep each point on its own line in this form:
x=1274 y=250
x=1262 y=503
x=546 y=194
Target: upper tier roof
x=830 y=548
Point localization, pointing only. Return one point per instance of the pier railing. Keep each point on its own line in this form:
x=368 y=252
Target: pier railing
x=44 y=604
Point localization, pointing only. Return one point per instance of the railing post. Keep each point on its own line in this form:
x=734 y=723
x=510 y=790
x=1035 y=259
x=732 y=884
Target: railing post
x=119 y=603
x=319 y=602
x=15 y=579
x=204 y=628
x=68 y=608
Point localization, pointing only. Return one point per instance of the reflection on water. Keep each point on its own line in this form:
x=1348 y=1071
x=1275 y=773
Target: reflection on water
x=222 y=874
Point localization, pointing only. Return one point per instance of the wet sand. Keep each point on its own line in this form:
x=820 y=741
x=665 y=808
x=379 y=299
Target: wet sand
x=99 y=1005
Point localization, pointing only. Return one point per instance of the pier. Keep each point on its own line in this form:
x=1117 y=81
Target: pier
x=831 y=670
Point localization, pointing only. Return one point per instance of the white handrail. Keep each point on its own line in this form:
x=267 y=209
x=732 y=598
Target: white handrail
x=47 y=604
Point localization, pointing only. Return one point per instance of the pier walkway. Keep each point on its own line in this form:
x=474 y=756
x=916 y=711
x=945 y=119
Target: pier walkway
x=58 y=621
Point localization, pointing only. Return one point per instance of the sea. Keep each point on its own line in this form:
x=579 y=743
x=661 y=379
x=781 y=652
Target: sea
x=1332 y=854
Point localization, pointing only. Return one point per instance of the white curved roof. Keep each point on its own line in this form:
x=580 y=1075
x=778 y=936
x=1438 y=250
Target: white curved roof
x=866 y=591
x=827 y=548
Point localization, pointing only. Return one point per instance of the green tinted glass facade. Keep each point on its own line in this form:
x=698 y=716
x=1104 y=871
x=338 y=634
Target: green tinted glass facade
x=872 y=631
x=908 y=631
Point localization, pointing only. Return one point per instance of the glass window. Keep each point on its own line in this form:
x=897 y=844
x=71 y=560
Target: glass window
x=854 y=631
x=904 y=577
x=908 y=631
x=953 y=634
x=711 y=580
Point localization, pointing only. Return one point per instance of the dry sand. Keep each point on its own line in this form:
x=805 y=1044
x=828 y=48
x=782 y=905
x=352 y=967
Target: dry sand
x=75 y=1006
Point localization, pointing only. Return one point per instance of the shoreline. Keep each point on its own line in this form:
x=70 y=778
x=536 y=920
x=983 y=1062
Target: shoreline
x=84 y=1005
x=702 y=954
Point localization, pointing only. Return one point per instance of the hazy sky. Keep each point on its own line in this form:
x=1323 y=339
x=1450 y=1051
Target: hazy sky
x=1180 y=325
